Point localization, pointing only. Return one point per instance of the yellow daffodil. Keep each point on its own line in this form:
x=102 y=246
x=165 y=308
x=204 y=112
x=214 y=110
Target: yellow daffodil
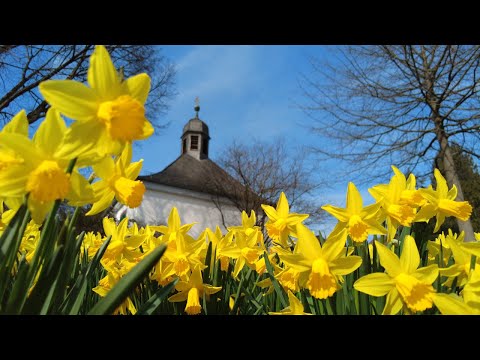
x=477 y=236
x=358 y=220
x=219 y=243
x=322 y=267
x=9 y=158
x=116 y=271
x=403 y=282
x=290 y=278
x=91 y=243
x=108 y=114
x=244 y=249
x=248 y=224
x=174 y=227
x=453 y=304
x=183 y=252
x=30 y=237
x=122 y=244
x=280 y=222
x=41 y=174
x=183 y=255
x=5 y=219
x=398 y=200
x=192 y=291
x=441 y=203
x=441 y=240
x=295 y=307
x=463 y=258
x=261 y=266
x=117 y=180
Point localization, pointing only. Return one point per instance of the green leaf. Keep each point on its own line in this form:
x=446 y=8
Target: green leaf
x=275 y=283
x=9 y=244
x=128 y=283
x=19 y=291
x=40 y=298
x=149 y=307
x=206 y=272
x=75 y=297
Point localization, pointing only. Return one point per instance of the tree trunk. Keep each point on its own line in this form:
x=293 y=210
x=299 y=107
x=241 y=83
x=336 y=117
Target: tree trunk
x=452 y=179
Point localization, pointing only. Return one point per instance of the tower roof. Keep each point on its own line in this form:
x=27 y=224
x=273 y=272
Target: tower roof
x=204 y=176
x=196 y=125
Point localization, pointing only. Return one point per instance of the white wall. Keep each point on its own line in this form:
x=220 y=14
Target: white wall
x=192 y=206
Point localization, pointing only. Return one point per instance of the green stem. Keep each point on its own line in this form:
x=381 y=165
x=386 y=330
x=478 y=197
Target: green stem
x=473 y=260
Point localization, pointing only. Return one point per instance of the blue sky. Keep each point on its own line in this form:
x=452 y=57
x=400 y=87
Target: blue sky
x=245 y=92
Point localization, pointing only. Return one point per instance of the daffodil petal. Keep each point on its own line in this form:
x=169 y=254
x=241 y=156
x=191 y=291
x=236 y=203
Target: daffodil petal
x=409 y=259
x=378 y=191
x=174 y=219
x=334 y=245
x=147 y=130
x=393 y=303
x=307 y=244
x=472 y=248
x=294 y=219
x=282 y=205
x=50 y=132
x=427 y=274
x=454 y=270
x=442 y=187
x=389 y=260
x=14 y=203
x=452 y=193
x=13 y=182
x=105 y=168
x=345 y=265
x=71 y=98
x=354 y=202
x=370 y=211
x=18 y=124
x=81 y=192
x=376 y=284
x=238 y=266
x=102 y=75
x=22 y=146
x=181 y=296
x=426 y=213
x=39 y=210
x=231 y=252
x=451 y=305
x=138 y=87
x=209 y=289
x=440 y=221
x=339 y=213
x=270 y=212
x=375 y=228
x=133 y=170
x=80 y=142
x=101 y=204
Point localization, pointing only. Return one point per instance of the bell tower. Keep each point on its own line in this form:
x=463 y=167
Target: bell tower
x=195 y=137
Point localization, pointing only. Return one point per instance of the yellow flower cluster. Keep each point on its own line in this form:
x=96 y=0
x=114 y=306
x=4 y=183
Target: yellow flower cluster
x=398 y=203
x=108 y=115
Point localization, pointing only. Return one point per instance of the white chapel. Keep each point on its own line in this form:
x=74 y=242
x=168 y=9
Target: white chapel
x=193 y=183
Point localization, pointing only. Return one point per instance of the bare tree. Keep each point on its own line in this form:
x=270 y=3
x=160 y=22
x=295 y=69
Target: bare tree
x=265 y=170
x=399 y=105
x=23 y=67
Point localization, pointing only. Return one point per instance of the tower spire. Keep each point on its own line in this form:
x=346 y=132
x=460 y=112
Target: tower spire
x=197 y=106
x=195 y=136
